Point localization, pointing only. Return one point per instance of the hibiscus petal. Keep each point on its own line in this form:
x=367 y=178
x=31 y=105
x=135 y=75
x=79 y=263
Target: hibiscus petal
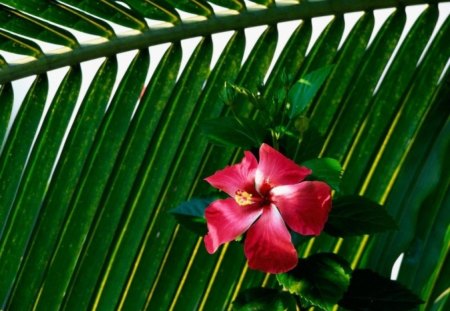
x=268 y=245
x=304 y=206
x=275 y=169
x=226 y=221
x=240 y=176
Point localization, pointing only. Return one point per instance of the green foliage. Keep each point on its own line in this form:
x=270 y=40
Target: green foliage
x=370 y=291
x=325 y=280
x=232 y=131
x=261 y=299
x=303 y=91
x=326 y=169
x=319 y=280
x=87 y=178
x=192 y=215
x=355 y=215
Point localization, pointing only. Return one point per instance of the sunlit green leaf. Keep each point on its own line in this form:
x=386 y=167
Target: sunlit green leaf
x=326 y=169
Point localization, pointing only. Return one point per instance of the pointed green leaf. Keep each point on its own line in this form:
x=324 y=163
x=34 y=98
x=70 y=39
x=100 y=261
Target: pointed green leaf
x=321 y=55
x=262 y=299
x=115 y=196
x=388 y=99
x=111 y=11
x=153 y=175
x=62 y=187
x=319 y=280
x=159 y=10
x=183 y=178
x=304 y=90
x=198 y=7
x=18 y=145
x=366 y=77
x=17 y=22
x=191 y=214
x=14 y=44
x=92 y=182
x=237 y=5
x=60 y=13
x=230 y=131
x=347 y=61
x=369 y=291
x=36 y=176
x=251 y=76
x=326 y=169
x=432 y=200
x=287 y=66
x=264 y=2
x=355 y=215
x=417 y=174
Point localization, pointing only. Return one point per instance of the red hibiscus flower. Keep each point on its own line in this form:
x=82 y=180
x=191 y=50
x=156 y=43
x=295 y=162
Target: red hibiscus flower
x=266 y=198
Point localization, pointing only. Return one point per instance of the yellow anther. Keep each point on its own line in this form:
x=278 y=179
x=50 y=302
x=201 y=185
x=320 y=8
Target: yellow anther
x=243 y=198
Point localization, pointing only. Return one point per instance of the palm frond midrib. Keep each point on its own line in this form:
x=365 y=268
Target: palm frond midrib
x=192 y=27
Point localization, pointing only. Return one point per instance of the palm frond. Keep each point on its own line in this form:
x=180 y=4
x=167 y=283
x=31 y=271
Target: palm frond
x=86 y=180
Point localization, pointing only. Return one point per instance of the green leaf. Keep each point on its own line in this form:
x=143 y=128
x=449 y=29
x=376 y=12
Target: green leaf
x=198 y=7
x=230 y=131
x=92 y=183
x=237 y=5
x=31 y=192
x=153 y=175
x=303 y=91
x=264 y=2
x=61 y=14
x=370 y=291
x=326 y=169
x=191 y=214
x=18 y=145
x=18 y=45
x=183 y=177
x=262 y=299
x=320 y=280
x=15 y=21
x=133 y=150
x=155 y=10
x=6 y=98
x=63 y=185
x=355 y=215
x=230 y=268
x=253 y=97
x=111 y=11
x=378 y=112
